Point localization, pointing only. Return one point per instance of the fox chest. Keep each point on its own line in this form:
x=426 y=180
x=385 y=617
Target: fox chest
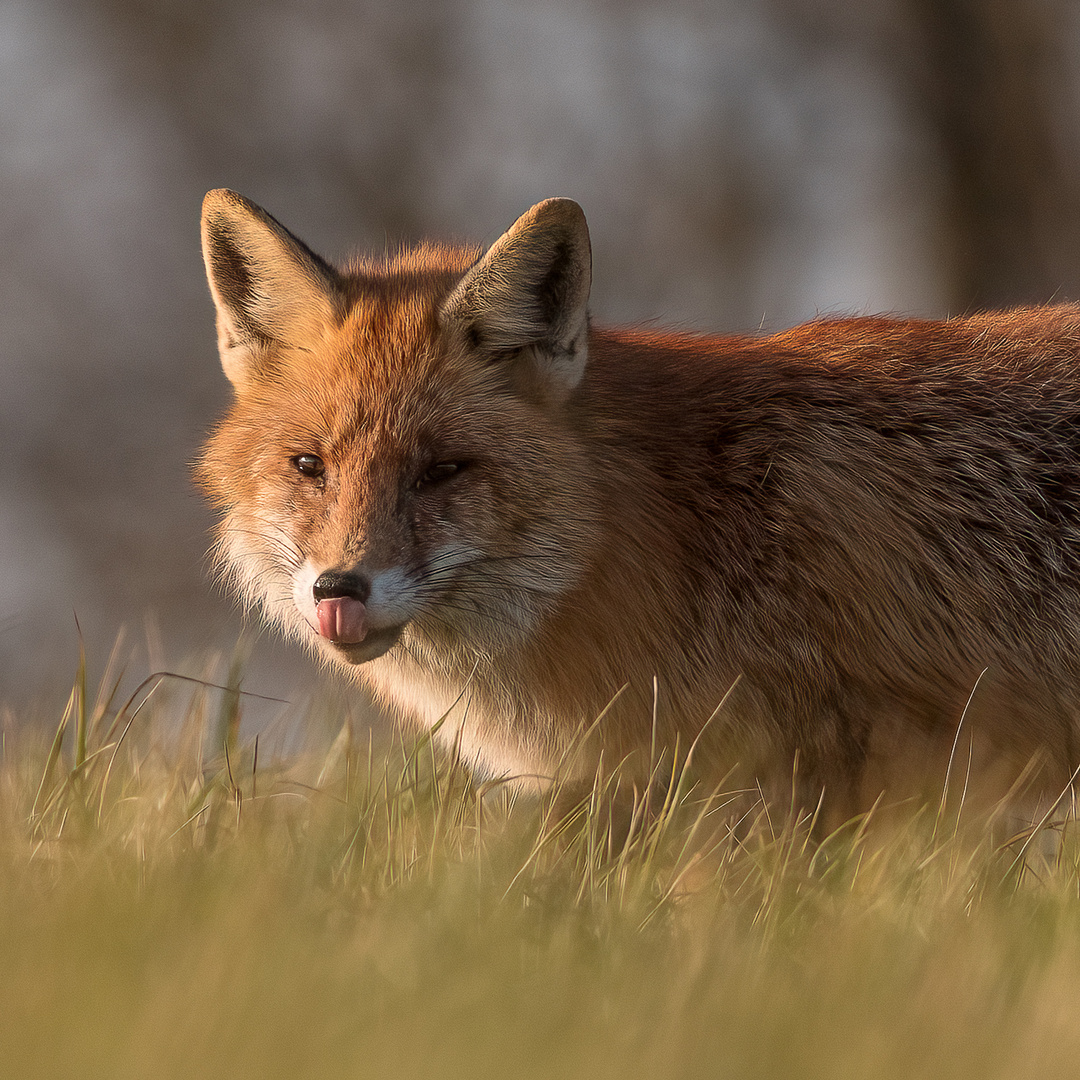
x=483 y=729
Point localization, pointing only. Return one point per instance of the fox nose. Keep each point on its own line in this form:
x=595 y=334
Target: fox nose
x=341 y=583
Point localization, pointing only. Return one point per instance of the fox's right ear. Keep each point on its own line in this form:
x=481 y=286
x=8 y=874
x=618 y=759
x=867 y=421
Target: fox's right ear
x=270 y=290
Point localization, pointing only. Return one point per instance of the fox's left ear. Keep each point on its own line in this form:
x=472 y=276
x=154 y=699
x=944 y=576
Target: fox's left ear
x=270 y=290
x=531 y=290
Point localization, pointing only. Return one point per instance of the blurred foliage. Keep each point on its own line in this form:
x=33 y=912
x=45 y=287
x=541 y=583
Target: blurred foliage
x=174 y=907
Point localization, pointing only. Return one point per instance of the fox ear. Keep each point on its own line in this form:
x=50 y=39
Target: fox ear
x=270 y=290
x=531 y=289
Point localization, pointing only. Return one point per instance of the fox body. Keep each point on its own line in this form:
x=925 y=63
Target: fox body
x=832 y=546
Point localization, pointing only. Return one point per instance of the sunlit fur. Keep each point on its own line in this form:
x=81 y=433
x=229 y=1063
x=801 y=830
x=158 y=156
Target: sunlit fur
x=855 y=524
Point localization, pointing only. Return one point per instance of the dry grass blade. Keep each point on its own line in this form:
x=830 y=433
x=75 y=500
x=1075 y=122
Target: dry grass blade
x=371 y=911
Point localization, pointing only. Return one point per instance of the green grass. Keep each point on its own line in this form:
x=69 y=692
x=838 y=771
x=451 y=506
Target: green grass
x=350 y=909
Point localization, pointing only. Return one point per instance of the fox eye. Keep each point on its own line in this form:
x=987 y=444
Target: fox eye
x=309 y=465
x=442 y=470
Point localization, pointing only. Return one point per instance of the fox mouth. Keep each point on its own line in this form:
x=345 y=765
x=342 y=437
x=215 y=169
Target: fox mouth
x=375 y=644
x=342 y=620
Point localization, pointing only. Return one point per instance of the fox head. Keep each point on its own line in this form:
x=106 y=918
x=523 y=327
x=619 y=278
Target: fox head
x=403 y=465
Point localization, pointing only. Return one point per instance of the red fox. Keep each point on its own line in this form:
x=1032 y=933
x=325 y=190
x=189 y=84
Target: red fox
x=830 y=549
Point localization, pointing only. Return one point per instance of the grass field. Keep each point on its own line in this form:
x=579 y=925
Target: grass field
x=350 y=909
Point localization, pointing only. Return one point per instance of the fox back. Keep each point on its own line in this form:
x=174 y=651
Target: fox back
x=836 y=546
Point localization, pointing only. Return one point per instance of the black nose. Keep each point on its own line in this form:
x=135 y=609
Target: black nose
x=341 y=583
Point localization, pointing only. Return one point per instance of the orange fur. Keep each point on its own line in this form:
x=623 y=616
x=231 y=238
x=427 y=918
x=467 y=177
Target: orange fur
x=842 y=529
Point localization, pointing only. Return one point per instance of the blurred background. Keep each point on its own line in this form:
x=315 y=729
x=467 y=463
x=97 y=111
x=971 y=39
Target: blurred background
x=743 y=164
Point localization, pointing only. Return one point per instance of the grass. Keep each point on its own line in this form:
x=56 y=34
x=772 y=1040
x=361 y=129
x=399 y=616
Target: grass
x=178 y=901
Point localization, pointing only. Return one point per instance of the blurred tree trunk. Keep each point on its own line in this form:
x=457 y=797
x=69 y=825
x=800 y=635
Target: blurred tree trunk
x=990 y=69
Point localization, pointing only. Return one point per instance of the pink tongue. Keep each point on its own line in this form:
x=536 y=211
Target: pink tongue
x=342 y=619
